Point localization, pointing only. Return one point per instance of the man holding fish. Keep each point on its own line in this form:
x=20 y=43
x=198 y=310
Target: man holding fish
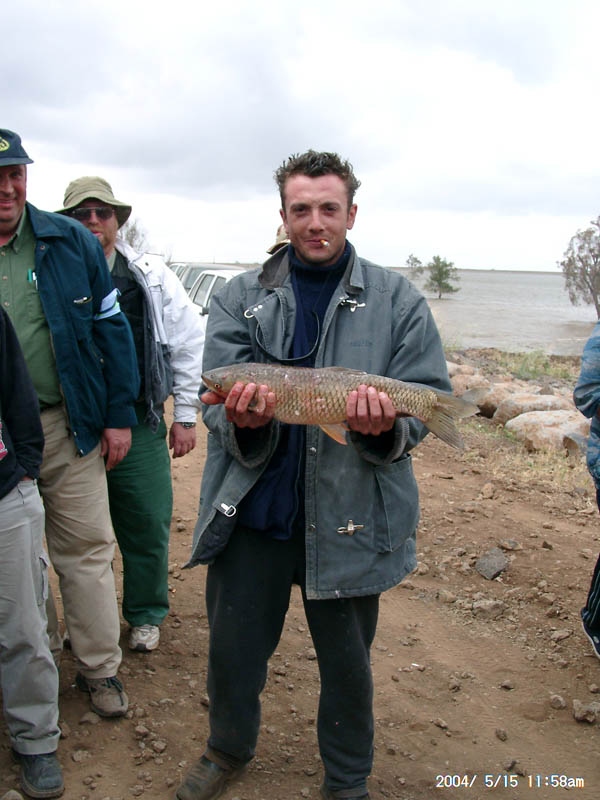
x=285 y=504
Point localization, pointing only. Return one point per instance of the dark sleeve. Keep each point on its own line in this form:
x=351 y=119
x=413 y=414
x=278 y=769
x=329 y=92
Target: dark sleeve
x=587 y=391
x=18 y=402
x=113 y=337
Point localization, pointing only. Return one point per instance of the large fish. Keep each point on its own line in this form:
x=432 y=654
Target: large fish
x=306 y=396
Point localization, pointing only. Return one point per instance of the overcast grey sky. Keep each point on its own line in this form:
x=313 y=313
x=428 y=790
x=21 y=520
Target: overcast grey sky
x=472 y=124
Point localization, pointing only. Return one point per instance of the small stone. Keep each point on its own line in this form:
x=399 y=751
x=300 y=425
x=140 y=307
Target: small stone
x=89 y=718
x=560 y=635
x=65 y=730
x=501 y=734
x=556 y=701
x=510 y=544
x=492 y=563
x=80 y=755
x=488 y=609
x=586 y=713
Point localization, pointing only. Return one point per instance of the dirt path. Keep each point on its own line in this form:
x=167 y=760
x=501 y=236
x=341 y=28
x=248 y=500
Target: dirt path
x=471 y=674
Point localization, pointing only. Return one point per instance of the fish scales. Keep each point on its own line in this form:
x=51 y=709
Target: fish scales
x=306 y=396
x=315 y=397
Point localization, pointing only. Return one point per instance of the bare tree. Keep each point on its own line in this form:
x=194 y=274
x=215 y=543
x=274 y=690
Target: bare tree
x=135 y=235
x=581 y=267
x=415 y=267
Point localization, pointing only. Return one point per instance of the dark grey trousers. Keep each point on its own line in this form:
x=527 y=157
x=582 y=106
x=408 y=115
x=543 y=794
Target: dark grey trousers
x=590 y=613
x=247 y=596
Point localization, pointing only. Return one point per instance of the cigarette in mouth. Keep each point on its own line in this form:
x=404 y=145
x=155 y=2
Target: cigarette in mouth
x=324 y=242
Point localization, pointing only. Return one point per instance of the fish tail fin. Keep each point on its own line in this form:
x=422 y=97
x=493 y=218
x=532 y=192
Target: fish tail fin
x=443 y=426
x=460 y=407
x=442 y=420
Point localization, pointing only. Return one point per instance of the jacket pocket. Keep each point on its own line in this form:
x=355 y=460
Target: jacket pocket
x=396 y=511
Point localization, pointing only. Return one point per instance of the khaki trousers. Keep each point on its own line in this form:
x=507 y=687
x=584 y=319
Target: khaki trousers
x=81 y=545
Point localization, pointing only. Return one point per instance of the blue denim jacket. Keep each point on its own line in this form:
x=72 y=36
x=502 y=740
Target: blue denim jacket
x=92 y=341
x=587 y=399
x=377 y=322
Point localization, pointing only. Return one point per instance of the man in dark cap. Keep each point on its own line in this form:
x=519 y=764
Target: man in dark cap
x=78 y=346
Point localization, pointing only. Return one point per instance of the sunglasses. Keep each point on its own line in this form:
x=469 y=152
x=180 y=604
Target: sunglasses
x=85 y=214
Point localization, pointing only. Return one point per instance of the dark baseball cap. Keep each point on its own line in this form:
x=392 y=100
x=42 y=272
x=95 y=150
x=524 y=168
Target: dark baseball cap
x=11 y=149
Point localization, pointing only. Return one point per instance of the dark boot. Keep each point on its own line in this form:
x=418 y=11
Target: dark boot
x=206 y=780
x=41 y=775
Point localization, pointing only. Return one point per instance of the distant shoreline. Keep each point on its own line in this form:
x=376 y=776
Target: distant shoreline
x=470 y=270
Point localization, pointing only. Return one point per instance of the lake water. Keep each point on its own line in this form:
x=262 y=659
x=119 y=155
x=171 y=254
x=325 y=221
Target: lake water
x=512 y=311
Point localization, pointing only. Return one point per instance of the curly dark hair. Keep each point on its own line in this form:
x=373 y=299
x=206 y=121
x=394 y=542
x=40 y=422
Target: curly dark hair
x=314 y=165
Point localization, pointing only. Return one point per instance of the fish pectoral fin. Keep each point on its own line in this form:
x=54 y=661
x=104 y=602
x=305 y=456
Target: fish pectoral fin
x=336 y=431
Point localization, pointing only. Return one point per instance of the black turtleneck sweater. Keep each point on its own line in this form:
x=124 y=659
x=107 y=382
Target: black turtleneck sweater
x=275 y=504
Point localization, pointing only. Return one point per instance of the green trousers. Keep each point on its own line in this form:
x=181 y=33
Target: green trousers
x=141 y=506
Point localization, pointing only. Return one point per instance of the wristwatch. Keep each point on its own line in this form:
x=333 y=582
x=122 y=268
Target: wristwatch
x=187 y=424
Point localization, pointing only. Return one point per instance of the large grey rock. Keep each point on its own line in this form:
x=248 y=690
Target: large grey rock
x=516 y=404
x=547 y=430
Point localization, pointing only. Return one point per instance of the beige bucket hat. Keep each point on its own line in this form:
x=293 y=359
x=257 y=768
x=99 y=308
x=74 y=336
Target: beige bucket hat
x=92 y=187
x=280 y=241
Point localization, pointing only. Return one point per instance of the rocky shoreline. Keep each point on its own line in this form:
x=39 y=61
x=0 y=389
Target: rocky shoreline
x=538 y=412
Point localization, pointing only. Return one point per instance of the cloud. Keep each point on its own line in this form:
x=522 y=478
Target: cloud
x=464 y=110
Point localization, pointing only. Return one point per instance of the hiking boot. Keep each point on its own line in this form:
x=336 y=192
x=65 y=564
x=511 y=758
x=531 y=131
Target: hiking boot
x=41 y=775
x=206 y=780
x=342 y=794
x=106 y=695
x=144 y=638
x=593 y=637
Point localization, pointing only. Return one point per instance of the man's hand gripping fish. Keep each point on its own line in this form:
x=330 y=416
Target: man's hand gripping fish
x=306 y=396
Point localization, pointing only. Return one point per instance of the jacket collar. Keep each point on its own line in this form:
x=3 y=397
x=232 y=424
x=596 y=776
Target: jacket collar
x=45 y=224
x=127 y=250
x=275 y=271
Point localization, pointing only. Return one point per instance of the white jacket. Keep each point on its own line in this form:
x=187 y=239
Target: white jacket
x=174 y=362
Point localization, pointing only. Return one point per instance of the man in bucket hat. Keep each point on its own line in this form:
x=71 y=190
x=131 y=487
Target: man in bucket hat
x=78 y=347
x=281 y=240
x=169 y=341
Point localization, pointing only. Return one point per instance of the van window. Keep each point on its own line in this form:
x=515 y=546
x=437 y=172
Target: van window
x=219 y=282
x=202 y=288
